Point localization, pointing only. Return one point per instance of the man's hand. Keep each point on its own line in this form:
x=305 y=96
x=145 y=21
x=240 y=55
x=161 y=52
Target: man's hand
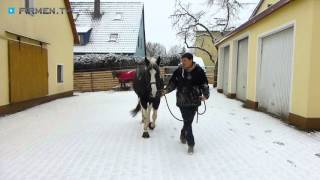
x=163 y=92
x=203 y=98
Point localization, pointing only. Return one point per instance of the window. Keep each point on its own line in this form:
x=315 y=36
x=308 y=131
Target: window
x=114 y=37
x=141 y=42
x=81 y=38
x=29 y=4
x=118 y=16
x=75 y=16
x=60 y=73
x=202 y=42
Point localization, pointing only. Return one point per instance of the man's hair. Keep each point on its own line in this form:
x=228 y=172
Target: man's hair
x=187 y=55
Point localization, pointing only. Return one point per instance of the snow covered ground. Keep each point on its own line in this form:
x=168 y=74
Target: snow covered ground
x=92 y=136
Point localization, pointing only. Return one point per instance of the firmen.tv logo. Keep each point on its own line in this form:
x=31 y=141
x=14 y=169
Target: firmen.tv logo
x=34 y=11
x=11 y=10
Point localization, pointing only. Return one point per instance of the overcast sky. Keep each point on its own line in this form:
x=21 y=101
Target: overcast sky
x=158 y=25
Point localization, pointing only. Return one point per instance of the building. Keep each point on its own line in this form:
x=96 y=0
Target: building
x=117 y=29
x=271 y=62
x=205 y=42
x=36 y=53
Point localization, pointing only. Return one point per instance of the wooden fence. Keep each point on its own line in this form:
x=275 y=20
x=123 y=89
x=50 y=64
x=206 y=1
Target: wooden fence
x=210 y=74
x=94 y=81
x=104 y=81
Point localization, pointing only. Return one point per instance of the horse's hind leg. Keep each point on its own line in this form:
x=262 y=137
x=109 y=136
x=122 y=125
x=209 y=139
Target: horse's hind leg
x=144 y=107
x=143 y=116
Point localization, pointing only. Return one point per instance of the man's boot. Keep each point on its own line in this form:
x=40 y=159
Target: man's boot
x=190 y=150
x=183 y=139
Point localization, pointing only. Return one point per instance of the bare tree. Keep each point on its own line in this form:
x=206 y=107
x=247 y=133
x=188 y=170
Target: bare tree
x=188 y=23
x=155 y=49
x=175 y=50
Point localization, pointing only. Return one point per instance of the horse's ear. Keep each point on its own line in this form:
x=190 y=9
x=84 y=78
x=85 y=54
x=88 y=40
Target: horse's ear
x=158 y=60
x=146 y=60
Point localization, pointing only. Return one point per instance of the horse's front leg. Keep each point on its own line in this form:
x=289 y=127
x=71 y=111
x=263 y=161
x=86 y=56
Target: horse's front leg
x=146 y=120
x=155 y=106
x=152 y=125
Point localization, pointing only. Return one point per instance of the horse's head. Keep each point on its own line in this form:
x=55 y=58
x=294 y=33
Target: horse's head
x=153 y=64
x=153 y=72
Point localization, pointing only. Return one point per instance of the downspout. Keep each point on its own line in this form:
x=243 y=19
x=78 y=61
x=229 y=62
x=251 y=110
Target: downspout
x=144 y=33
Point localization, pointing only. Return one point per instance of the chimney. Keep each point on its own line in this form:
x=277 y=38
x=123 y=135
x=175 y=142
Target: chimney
x=96 y=13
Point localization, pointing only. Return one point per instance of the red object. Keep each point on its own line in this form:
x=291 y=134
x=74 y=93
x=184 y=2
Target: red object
x=126 y=75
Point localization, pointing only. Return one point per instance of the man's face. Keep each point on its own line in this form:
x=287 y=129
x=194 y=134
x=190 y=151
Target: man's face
x=186 y=63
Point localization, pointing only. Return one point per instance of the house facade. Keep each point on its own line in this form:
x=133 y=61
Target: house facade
x=271 y=62
x=36 y=53
x=205 y=42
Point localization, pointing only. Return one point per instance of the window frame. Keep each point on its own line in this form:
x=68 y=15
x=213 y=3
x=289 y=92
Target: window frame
x=111 y=39
x=60 y=74
x=29 y=4
x=117 y=14
x=81 y=39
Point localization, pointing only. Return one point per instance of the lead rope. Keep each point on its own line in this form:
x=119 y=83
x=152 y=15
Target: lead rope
x=205 y=109
x=170 y=109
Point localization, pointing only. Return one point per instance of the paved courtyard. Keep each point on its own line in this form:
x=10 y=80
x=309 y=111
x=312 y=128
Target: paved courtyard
x=92 y=136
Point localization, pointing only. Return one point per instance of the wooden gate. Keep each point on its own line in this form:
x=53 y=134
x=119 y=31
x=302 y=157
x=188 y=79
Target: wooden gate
x=28 y=71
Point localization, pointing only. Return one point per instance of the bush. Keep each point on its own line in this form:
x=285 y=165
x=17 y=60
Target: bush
x=91 y=62
x=170 y=60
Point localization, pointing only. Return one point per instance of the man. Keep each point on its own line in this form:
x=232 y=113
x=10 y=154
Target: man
x=192 y=87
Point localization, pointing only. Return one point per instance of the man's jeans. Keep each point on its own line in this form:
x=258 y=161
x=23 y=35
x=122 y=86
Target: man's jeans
x=188 y=114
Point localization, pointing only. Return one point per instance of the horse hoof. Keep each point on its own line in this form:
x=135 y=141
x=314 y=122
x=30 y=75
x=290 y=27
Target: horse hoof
x=151 y=126
x=145 y=135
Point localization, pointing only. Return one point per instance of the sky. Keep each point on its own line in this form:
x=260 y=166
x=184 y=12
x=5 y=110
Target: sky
x=158 y=24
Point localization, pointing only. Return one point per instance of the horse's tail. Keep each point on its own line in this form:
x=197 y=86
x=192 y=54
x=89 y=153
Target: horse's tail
x=135 y=111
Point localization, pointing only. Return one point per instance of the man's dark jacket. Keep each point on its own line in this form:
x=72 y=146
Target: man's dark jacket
x=190 y=86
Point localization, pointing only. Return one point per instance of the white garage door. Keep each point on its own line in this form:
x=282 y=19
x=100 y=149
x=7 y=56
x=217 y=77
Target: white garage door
x=226 y=69
x=242 y=69
x=274 y=85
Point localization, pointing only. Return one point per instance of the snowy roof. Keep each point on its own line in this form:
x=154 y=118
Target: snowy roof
x=83 y=29
x=104 y=30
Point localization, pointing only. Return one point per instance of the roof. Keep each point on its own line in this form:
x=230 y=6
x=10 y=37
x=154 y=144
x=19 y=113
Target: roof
x=73 y=27
x=83 y=29
x=257 y=8
x=127 y=29
x=256 y=18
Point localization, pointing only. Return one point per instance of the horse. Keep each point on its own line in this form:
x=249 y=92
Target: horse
x=148 y=85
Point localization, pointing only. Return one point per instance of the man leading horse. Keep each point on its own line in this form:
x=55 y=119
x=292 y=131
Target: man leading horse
x=192 y=87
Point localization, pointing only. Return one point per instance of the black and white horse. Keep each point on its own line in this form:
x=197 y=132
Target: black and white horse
x=147 y=85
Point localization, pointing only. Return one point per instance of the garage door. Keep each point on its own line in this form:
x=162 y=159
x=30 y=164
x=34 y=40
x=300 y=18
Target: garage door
x=242 y=69
x=28 y=71
x=274 y=85
x=226 y=69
